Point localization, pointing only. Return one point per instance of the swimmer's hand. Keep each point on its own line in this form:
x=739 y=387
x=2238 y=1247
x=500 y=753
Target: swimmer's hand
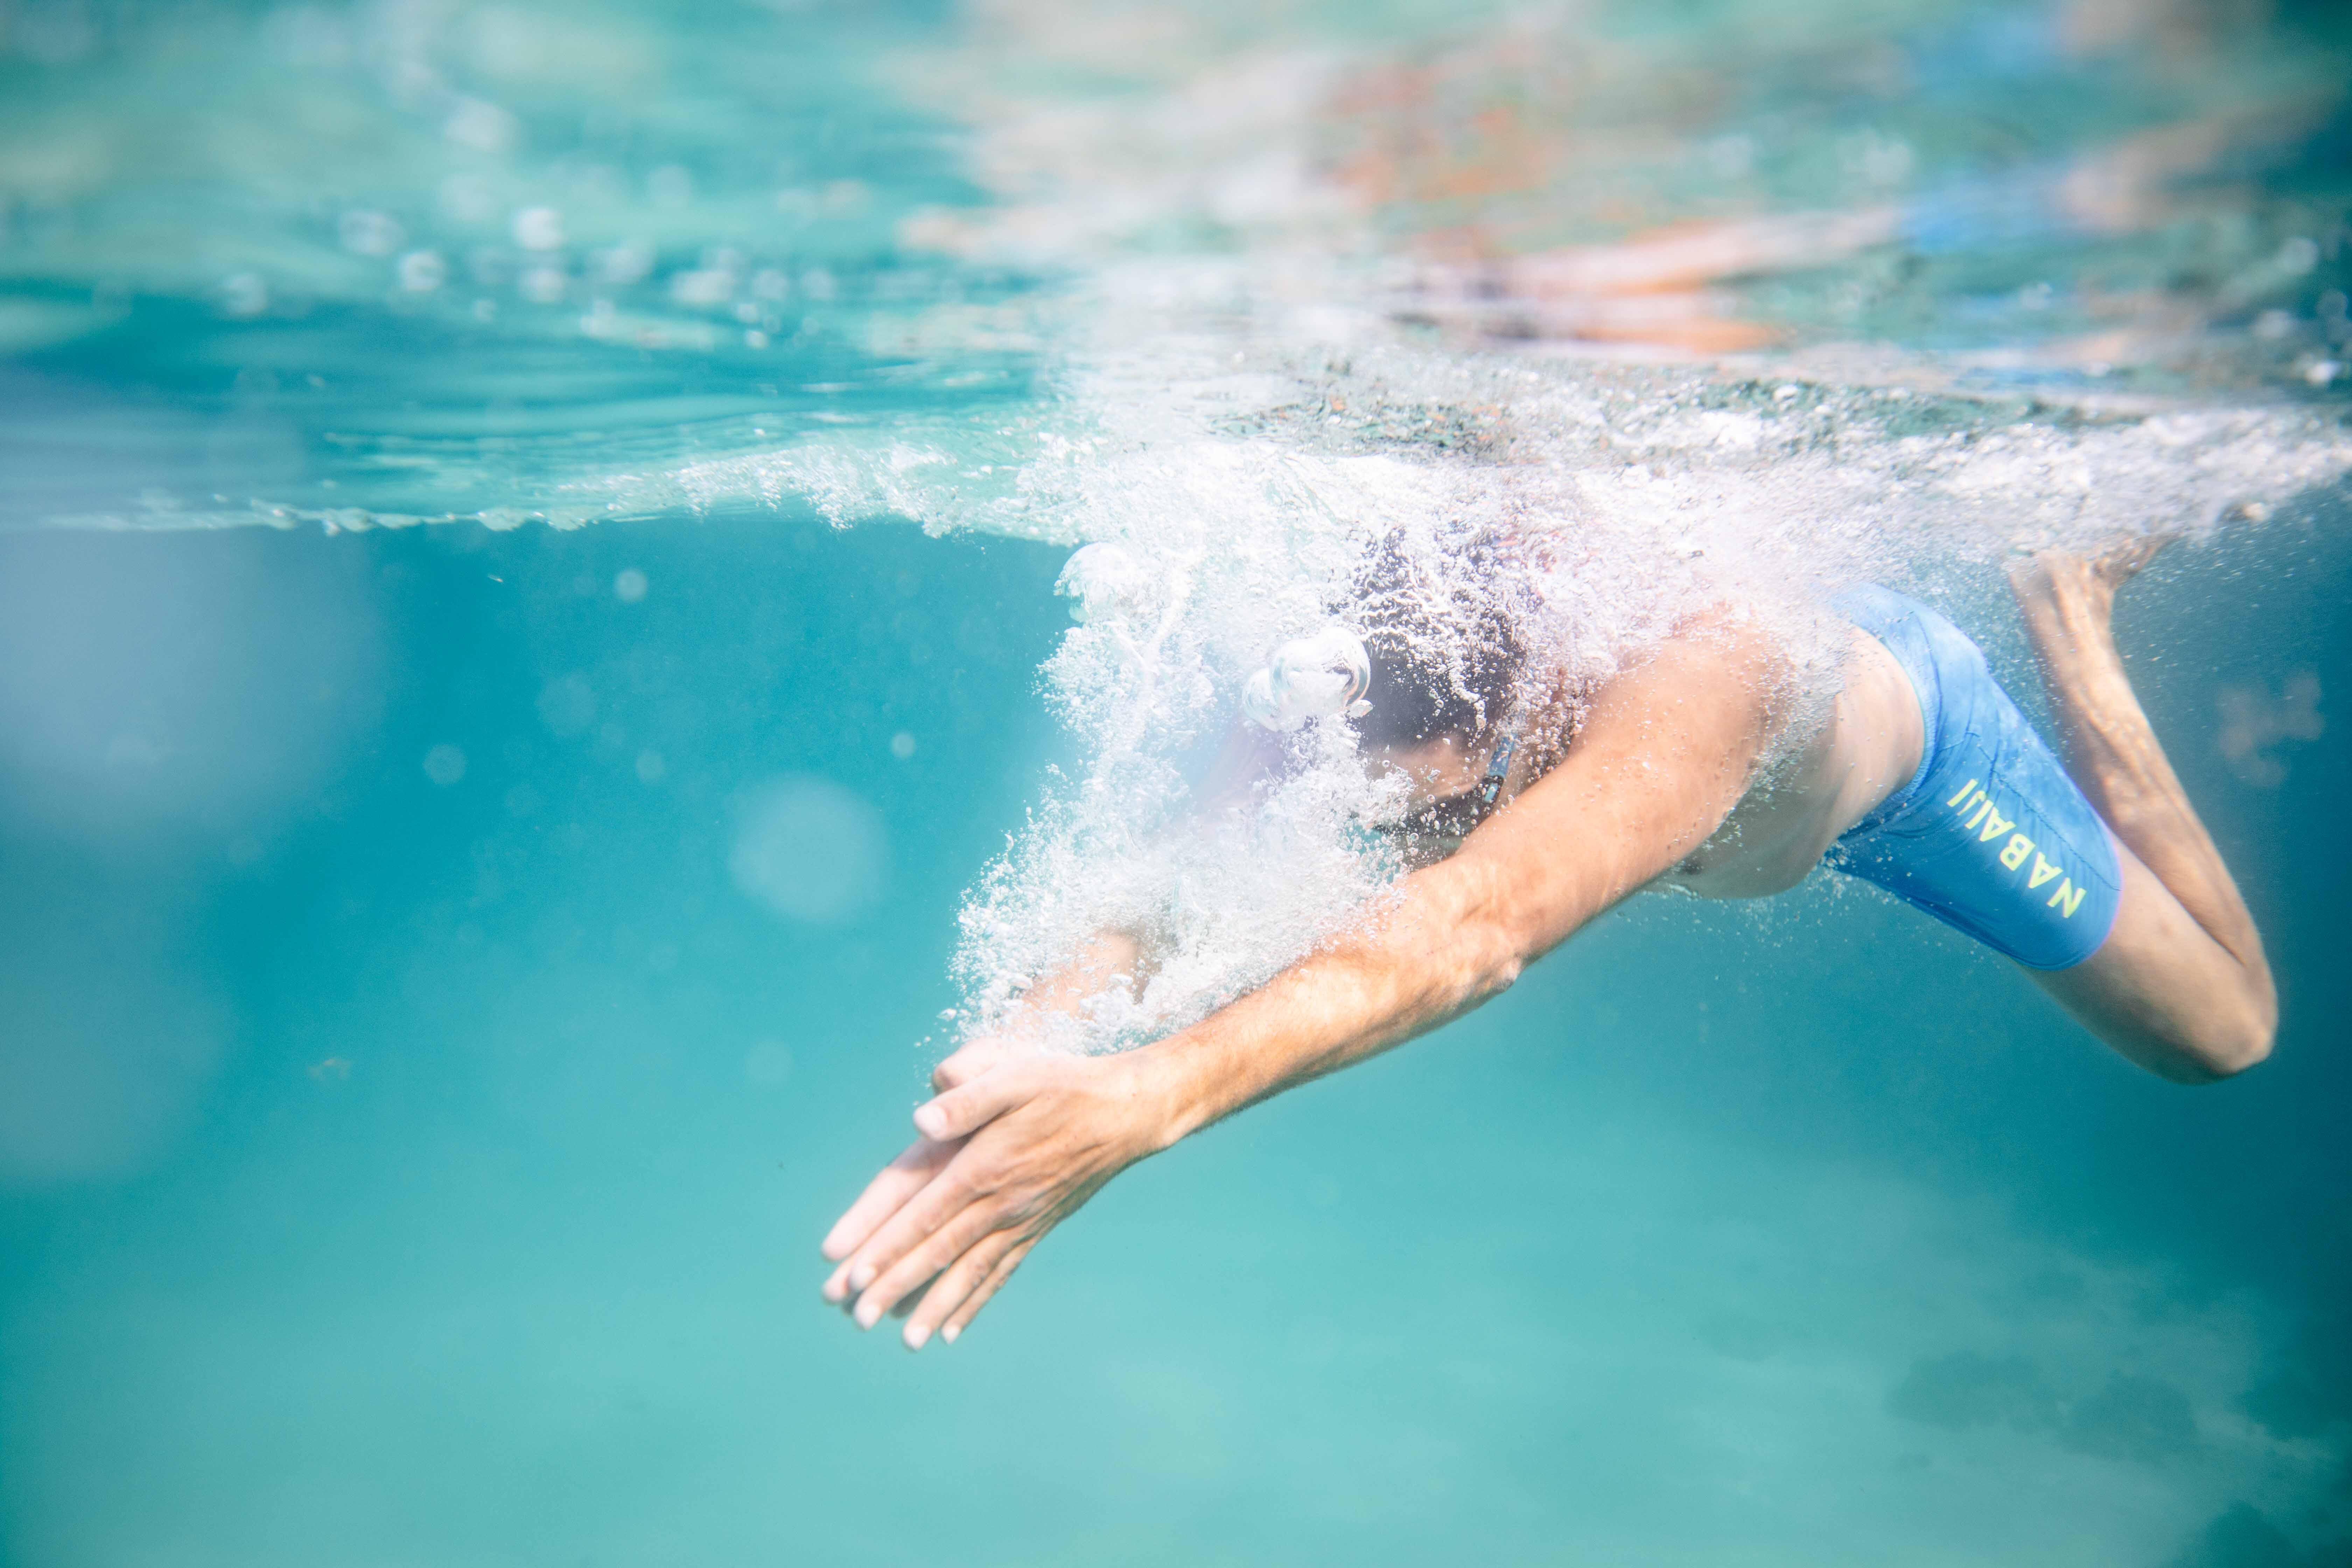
x=1011 y=1145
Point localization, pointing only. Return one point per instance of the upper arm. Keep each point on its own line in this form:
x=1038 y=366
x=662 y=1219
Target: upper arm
x=1666 y=748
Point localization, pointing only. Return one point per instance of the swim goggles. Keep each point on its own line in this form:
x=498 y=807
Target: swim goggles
x=1460 y=815
x=1320 y=676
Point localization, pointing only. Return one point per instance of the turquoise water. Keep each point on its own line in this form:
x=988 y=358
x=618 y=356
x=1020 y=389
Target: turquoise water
x=489 y=774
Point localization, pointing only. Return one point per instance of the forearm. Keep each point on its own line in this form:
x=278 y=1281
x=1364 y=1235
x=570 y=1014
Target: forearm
x=1434 y=956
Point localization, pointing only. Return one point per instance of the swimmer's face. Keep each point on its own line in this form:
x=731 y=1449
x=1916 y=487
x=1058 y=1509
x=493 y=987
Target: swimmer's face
x=1443 y=778
x=1434 y=770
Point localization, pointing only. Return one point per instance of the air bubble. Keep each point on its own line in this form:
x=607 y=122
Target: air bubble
x=702 y=288
x=808 y=849
x=444 y=765
x=370 y=233
x=567 y=705
x=243 y=296
x=625 y=264
x=481 y=126
x=423 y=271
x=538 y=228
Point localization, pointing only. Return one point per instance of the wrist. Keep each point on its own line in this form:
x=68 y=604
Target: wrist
x=1169 y=1091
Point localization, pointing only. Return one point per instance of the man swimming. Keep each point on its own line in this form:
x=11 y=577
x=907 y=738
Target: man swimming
x=1538 y=817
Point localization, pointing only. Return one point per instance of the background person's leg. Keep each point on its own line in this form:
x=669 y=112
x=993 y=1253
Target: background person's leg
x=2181 y=985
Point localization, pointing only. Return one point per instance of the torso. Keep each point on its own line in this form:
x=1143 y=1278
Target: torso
x=1868 y=749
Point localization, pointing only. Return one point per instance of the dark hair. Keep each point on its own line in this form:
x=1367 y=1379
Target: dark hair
x=1446 y=644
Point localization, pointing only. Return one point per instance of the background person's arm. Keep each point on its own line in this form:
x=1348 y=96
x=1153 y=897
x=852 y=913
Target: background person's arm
x=1013 y=1146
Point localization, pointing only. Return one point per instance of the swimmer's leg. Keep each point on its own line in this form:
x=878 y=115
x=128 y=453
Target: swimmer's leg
x=2180 y=986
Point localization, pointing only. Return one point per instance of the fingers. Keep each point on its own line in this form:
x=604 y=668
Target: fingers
x=962 y=1110
x=915 y=1195
x=955 y=1285
x=920 y=1217
x=935 y=1252
x=968 y=1062
x=922 y=1160
x=963 y=1315
x=1004 y=1155
x=901 y=1179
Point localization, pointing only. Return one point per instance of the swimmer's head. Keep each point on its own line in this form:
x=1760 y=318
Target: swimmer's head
x=1437 y=662
x=1443 y=635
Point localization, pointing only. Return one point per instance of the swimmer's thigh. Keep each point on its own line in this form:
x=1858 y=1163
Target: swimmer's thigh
x=2159 y=990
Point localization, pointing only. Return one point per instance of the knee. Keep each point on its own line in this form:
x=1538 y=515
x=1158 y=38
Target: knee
x=2225 y=1050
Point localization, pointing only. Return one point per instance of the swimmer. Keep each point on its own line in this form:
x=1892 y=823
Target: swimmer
x=2096 y=877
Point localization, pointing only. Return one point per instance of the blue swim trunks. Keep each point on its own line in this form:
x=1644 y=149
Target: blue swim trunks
x=1989 y=837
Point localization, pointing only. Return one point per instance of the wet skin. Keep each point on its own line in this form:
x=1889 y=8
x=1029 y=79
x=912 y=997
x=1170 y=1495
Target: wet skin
x=1663 y=783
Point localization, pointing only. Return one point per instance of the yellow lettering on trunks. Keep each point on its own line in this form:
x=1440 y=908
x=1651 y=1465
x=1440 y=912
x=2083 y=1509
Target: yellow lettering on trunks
x=1984 y=804
x=1995 y=826
x=2042 y=872
x=1966 y=790
x=2014 y=855
x=2072 y=894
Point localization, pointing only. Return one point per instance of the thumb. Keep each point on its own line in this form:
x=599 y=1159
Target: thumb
x=968 y=1107
x=969 y=1061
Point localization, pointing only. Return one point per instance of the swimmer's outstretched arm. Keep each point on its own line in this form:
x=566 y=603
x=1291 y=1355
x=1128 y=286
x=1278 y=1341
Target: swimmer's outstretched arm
x=2180 y=986
x=1010 y=1147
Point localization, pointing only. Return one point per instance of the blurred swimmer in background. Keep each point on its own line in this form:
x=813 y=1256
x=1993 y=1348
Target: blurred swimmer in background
x=1531 y=809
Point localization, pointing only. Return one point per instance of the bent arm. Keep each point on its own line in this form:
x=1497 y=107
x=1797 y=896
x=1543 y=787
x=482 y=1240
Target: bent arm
x=1010 y=1148
x=1664 y=752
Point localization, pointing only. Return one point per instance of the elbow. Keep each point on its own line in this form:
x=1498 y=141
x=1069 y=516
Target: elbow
x=1496 y=960
x=1487 y=946
x=1501 y=975
x=2224 y=1049
x=1503 y=951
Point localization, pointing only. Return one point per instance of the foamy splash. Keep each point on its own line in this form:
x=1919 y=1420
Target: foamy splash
x=1245 y=494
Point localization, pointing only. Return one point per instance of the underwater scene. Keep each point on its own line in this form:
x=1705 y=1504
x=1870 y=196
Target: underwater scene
x=590 y=591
